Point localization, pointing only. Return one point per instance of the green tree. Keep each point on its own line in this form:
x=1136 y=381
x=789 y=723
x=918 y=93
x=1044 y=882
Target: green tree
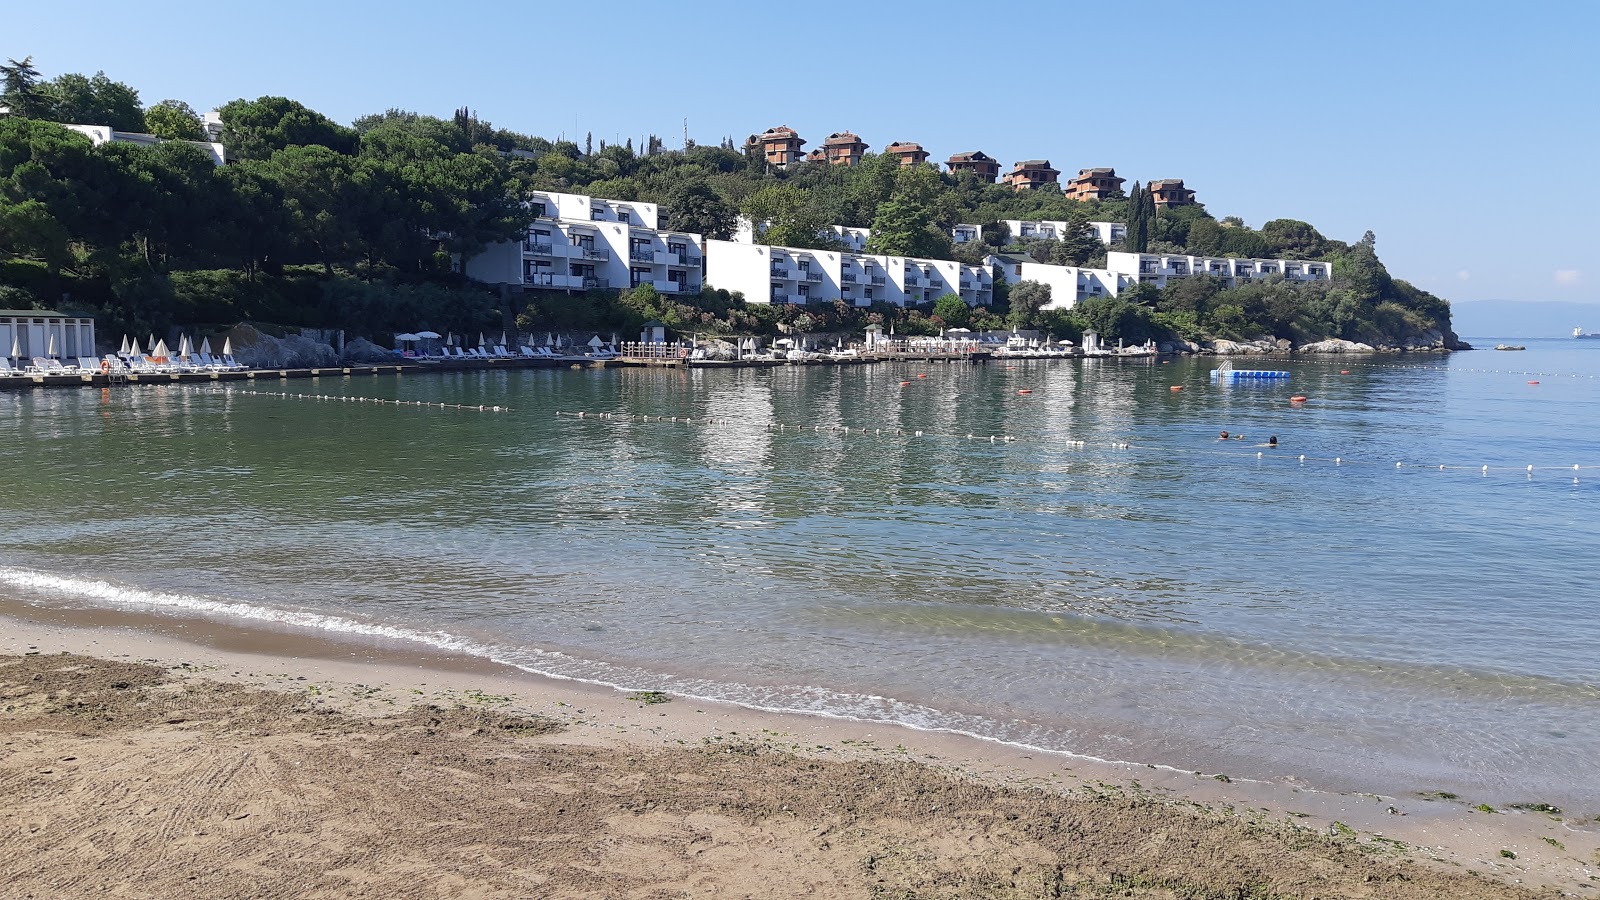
x=1137 y=238
x=1293 y=239
x=953 y=310
x=1078 y=243
x=22 y=93
x=1026 y=298
x=95 y=101
x=255 y=129
x=792 y=218
x=694 y=207
x=174 y=120
x=1205 y=238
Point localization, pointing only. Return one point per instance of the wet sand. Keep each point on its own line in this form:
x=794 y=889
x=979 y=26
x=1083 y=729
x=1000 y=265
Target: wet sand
x=164 y=757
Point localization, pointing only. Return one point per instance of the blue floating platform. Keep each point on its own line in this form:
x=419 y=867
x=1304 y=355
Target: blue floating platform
x=1249 y=374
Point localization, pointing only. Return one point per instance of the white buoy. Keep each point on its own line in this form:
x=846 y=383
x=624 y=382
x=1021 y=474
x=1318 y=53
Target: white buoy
x=1530 y=470
x=1486 y=471
x=1302 y=458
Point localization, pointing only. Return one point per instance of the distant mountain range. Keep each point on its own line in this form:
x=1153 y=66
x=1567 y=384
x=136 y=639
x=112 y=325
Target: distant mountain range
x=1522 y=318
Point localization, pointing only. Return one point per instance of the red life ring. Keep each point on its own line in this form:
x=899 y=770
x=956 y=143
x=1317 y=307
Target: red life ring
x=105 y=367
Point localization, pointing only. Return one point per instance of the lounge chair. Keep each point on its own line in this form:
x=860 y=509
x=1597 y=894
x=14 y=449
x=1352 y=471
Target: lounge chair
x=5 y=368
x=232 y=365
x=526 y=352
x=455 y=353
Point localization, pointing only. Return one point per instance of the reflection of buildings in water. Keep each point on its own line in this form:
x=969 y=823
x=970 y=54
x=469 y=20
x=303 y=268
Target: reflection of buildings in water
x=742 y=447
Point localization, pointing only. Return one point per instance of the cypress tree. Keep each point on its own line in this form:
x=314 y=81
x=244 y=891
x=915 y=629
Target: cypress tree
x=1138 y=236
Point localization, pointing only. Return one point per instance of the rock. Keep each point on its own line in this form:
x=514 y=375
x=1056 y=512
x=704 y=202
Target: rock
x=362 y=350
x=1336 y=345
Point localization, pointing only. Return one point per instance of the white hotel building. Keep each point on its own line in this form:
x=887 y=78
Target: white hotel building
x=793 y=275
x=1051 y=230
x=1069 y=285
x=1158 y=268
x=582 y=243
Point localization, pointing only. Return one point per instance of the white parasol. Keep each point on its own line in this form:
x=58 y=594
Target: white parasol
x=134 y=350
x=52 y=351
x=123 y=350
x=161 y=351
x=227 y=346
x=428 y=335
x=205 y=346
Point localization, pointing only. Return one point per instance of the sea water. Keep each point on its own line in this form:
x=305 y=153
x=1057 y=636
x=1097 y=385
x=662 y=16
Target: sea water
x=1085 y=568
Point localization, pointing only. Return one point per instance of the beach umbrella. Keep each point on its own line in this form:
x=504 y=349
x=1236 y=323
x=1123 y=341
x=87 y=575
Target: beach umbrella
x=481 y=341
x=502 y=338
x=122 y=351
x=161 y=351
x=134 y=349
x=549 y=339
x=52 y=350
x=184 y=347
x=428 y=335
x=227 y=346
x=450 y=340
x=205 y=346
x=151 y=341
x=407 y=337
x=16 y=347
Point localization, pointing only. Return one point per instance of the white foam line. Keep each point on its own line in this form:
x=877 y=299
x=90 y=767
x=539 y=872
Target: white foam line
x=114 y=595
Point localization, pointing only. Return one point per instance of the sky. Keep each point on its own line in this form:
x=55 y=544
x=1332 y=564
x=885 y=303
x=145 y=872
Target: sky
x=1463 y=134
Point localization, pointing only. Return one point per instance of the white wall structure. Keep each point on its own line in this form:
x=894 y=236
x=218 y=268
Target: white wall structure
x=32 y=332
x=794 y=275
x=853 y=239
x=1051 y=230
x=966 y=234
x=105 y=134
x=1157 y=268
x=586 y=243
x=1069 y=285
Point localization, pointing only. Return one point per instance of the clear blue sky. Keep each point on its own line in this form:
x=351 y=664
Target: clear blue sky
x=1463 y=134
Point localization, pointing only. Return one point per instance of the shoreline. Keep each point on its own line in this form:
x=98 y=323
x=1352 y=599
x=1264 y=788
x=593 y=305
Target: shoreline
x=1444 y=835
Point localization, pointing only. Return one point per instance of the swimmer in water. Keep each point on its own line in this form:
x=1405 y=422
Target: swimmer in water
x=1224 y=436
x=1272 y=441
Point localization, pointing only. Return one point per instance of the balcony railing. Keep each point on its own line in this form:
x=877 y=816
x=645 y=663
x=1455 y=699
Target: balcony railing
x=880 y=279
x=780 y=272
x=847 y=279
x=779 y=298
x=674 y=287
x=592 y=283
x=593 y=253
x=540 y=279
x=814 y=277
x=642 y=254
x=537 y=249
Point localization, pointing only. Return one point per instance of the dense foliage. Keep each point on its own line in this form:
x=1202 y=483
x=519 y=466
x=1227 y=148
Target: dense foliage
x=317 y=223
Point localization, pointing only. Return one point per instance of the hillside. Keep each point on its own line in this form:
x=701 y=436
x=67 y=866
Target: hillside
x=314 y=223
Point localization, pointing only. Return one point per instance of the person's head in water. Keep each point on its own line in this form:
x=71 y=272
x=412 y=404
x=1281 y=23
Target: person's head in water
x=1272 y=441
x=1224 y=436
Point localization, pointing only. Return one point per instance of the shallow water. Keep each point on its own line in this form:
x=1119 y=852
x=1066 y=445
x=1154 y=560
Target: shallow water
x=1214 y=606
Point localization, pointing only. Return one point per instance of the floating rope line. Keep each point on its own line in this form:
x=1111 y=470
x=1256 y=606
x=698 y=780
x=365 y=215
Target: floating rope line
x=1439 y=366
x=1261 y=453
x=344 y=398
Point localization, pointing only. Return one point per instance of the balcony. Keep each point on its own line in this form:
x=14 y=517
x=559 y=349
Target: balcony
x=674 y=287
x=879 y=280
x=814 y=277
x=780 y=272
x=966 y=284
x=593 y=253
x=779 y=297
x=642 y=254
x=593 y=283
x=537 y=249
x=847 y=278
x=681 y=259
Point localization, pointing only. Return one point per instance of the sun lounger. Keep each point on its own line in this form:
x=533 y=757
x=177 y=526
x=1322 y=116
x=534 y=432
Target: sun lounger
x=5 y=368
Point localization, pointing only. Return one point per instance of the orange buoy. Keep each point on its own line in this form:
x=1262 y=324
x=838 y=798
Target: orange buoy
x=1024 y=391
x=1344 y=371
x=1175 y=388
x=1297 y=399
x=904 y=383
x=1533 y=382
x=920 y=375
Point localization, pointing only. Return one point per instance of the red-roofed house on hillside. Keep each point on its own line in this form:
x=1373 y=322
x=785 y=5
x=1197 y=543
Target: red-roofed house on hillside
x=909 y=153
x=1170 y=192
x=779 y=146
x=1033 y=175
x=1094 y=184
x=842 y=148
x=979 y=163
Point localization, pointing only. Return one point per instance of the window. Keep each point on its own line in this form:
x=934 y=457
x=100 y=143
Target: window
x=677 y=247
x=624 y=218
x=638 y=276
x=539 y=210
x=867 y=293
x=805 y=291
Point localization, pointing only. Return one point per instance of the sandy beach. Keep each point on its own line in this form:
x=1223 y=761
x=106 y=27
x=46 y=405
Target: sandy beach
x=153 y=757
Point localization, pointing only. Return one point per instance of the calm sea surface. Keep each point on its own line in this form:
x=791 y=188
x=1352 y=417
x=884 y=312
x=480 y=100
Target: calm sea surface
x=1214 y=606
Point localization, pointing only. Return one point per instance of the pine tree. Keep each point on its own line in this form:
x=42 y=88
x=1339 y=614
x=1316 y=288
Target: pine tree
x=588 y=144
x=20 y=89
